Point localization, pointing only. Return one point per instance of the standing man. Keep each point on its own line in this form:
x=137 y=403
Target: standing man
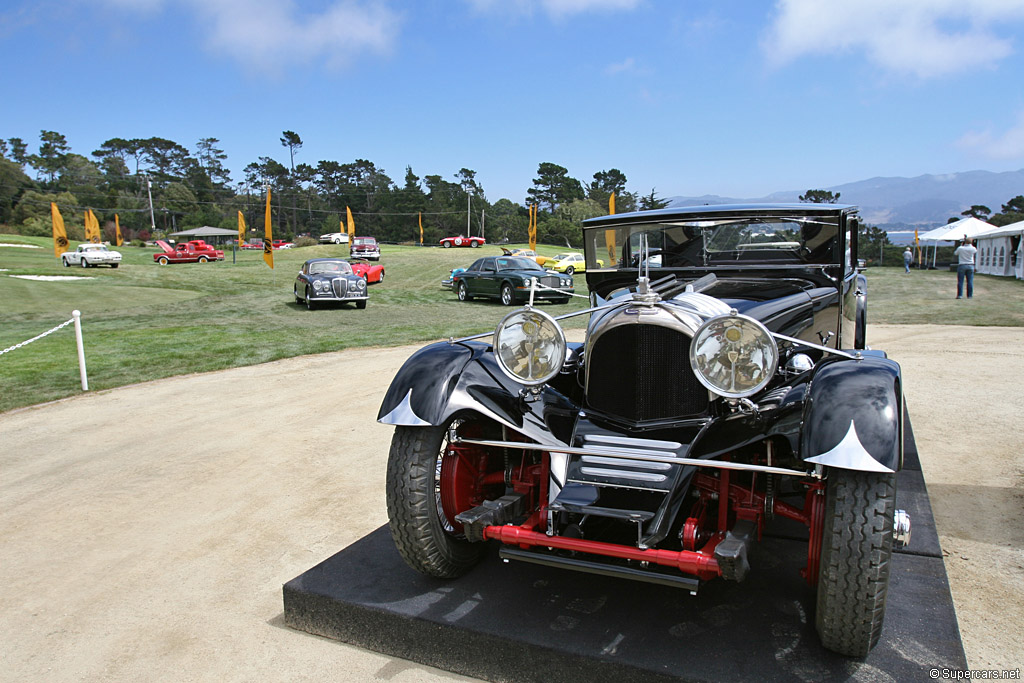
x=965 y=268
x=908 y=256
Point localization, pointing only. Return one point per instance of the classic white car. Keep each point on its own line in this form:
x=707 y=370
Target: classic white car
x=91 y=255
x=334 y=238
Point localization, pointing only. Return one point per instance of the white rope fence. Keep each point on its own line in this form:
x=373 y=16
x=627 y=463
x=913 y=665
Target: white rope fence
x=76 y=318
x=534 y=285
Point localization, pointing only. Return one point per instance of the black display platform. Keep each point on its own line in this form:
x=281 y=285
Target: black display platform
x=525 y=622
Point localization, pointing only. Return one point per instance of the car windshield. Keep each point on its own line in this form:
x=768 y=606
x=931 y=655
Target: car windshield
x=517 y=263
x=719 y=242
x=366 y=241
x=340 y=267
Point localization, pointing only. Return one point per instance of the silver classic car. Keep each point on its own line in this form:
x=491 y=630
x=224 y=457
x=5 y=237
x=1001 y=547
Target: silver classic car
x=724 y=385
x=91 y=255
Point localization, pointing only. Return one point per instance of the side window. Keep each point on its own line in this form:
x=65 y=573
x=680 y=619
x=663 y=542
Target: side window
x=489 y=265
x=476 y=265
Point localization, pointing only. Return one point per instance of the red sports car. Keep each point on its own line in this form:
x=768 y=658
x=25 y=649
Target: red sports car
x=193 y=251
x=371 y=272
x=460 y=241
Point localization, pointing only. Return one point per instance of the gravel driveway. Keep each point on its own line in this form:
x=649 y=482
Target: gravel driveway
x=145 y=532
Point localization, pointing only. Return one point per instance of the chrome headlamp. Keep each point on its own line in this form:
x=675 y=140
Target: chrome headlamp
x=318 y=285
x=529 y=346
x=361 y=284
x=733 y=355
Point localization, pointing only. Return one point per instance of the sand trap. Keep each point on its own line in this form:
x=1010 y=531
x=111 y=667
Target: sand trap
x=50 y=278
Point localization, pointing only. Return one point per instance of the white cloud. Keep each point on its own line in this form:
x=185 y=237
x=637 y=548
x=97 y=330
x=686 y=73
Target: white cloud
x=924 y=38
x=270 y=35
x=1007 y=146
x=556 y=9
x=628 y=64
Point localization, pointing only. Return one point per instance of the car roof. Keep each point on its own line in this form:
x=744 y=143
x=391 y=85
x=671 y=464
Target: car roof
x=324 y=259
x=719 y=210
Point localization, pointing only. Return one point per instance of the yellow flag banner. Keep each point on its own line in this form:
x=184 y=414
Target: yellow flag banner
x=241 y=229
x=60 y=236
x=117 y=231
x=611 y=204
x=533 y=227
x=268 y=236
x=92 y=227
x=351 y=227
x=421 y=229
x=609 y=242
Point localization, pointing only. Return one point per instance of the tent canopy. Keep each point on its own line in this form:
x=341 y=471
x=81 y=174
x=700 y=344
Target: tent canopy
x=1011 y=229
x=205 y=231
x=965 y=227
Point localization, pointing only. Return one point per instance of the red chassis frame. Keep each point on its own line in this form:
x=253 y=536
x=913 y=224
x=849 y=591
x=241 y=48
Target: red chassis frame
x=735 y=501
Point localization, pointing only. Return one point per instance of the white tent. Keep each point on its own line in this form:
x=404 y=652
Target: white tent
x=1001 y=251
x=969 y=227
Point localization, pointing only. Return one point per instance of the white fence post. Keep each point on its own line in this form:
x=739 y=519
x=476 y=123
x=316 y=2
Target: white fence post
x=77 y=315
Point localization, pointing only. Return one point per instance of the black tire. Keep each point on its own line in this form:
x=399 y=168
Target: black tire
x=508 y=295
x=463 y=292
x=337 y=240
x=83 y=263
x=163 y=261
x=67 y=264
x=295 y=291
x=562 y=300
x=474 y=244
x=381 y=277
x=203 y=259
x=446 y=245
x=424 y=532
x=856 y=548
x=309 y=300
x=361 y=304
x=114 y=265
x=570 y=270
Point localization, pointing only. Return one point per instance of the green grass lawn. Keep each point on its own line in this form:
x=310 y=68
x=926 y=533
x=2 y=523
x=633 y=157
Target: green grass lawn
x=142 y=321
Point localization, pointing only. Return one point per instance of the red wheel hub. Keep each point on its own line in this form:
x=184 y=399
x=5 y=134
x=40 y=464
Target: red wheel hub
x=462 y=481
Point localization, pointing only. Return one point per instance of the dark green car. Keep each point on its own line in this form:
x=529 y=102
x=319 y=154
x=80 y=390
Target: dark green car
x=510 y=279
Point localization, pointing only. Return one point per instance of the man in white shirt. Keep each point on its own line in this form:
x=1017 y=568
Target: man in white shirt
x=966 y=253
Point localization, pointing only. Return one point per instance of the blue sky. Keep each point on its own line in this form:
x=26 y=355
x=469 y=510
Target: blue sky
x=736 y=98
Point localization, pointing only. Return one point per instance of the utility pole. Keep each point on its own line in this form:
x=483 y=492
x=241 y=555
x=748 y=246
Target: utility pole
x=152 y=218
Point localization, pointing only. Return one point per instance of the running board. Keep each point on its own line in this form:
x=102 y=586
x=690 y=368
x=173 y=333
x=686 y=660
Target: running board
x=550 y=560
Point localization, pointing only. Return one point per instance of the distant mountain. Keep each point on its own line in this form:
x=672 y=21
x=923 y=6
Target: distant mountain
x=891 y=203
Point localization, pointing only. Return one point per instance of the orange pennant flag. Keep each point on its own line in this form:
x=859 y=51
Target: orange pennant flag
x=351 y=226
x=60 y=236
x=533 y=227
x=92 y=227
x=118 y=239
x=241 y=229
x=421 y=229
x=611 y=204
x=268 y=236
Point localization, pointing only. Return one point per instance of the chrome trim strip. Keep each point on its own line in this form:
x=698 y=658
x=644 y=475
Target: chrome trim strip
x=629 y=441
x=657 y=466
x=636 y=451
x=695 y=462
x=619 y=474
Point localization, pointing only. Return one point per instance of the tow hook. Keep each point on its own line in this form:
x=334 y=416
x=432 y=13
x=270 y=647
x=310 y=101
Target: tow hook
x=901 y=529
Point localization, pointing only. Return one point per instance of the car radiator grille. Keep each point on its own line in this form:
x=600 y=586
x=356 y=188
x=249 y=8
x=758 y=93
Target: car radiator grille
x=550 y=281
x=340 y=287
x=642 y=372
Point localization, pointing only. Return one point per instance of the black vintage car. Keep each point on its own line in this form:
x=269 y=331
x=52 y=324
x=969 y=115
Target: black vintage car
x=724 y=384
x=325 y=280
x=511 y=279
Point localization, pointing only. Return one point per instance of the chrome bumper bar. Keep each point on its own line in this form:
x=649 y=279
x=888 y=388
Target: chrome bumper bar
x=634 y=454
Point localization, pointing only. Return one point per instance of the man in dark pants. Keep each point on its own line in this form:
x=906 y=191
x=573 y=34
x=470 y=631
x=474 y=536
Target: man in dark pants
x=966 y=254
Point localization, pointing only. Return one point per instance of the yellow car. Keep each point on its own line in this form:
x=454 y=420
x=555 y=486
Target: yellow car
x=568 y=263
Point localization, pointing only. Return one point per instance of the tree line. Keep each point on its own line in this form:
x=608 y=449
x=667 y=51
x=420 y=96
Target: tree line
x=158 y=185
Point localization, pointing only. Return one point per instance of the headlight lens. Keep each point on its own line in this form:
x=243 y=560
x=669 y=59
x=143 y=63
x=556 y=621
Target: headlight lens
x=318 y=285
x=733 y=355
x=360 y=283
x=529 y=346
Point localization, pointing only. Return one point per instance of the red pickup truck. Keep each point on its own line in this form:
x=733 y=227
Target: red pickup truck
x=193 y=251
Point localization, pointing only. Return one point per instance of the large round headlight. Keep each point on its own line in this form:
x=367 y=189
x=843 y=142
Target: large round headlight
x=733 y=355
x=530 y=346
x=360 y=284
x=317 y=285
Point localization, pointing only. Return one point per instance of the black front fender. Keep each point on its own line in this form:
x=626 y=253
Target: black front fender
x=443 y=379
x=853 y=416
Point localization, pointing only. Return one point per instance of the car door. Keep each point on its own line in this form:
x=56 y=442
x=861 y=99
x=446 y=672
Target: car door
x=489 y=282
